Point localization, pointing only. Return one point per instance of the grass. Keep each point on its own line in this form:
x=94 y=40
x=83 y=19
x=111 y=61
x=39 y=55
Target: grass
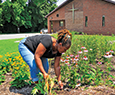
x=9 y=46
x=109 y=38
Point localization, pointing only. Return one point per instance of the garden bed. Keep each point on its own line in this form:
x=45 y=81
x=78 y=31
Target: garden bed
x=6 y=89
x=95 y=58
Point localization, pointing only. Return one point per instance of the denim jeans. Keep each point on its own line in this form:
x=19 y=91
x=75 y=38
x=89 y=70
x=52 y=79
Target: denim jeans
x=28 y=57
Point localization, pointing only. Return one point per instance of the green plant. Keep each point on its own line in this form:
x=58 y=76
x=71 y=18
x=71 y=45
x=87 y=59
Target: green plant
x=2 y=77
x=43 y=86
x=19 y=81
x=113 y=35
x=88 y=70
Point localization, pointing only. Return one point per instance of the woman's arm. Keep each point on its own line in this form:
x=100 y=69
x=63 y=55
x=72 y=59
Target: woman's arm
x=38 y=53
x=57 y=67
x=57 y=70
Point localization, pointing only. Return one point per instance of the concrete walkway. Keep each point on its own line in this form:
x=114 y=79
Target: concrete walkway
x=13 y=36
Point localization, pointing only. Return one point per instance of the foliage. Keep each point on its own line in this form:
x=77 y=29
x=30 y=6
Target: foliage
x=2 y=77
x=15 y=12
x=1 y=10
x=20 y=71
x=38 y=10
x=91 y=67
x=90 y=54
x=43 y=86
x=20 y=82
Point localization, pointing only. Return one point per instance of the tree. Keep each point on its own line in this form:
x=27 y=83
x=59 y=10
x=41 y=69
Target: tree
x=1 y=20
x=20 y=15
x=15 y=12
x=38 y=12
x=46 y=8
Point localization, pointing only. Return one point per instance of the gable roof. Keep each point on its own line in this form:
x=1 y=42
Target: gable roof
x=63 y=4
x=111 y=1
x=68 y=1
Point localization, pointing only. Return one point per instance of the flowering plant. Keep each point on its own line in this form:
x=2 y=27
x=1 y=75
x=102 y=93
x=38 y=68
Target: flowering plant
x=77 y=70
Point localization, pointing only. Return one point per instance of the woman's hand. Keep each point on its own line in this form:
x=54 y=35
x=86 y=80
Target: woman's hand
x=45 y=75
x=60 y=84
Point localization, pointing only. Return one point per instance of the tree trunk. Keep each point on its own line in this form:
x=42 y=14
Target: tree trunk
x=18 y=29
x=32 y=29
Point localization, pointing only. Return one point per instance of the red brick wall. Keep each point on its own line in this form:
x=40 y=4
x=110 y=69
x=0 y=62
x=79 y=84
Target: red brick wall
x=56 y=26
x=56 y=19
x=95 y=9
x=78 y=16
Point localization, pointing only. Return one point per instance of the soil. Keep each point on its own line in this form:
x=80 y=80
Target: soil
x=6 y=89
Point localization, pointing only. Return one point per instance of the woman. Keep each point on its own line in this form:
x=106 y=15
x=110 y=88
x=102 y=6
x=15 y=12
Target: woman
x=36 y=49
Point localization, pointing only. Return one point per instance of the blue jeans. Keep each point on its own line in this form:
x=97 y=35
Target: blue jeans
x=28 y=57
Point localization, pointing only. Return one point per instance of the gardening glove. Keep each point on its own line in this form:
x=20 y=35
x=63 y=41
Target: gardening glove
x=60 y=85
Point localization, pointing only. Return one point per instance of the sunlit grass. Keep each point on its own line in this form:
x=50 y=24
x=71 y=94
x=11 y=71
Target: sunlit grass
x=9 y=46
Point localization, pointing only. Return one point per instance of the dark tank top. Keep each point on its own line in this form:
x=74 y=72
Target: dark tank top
x=33 y=42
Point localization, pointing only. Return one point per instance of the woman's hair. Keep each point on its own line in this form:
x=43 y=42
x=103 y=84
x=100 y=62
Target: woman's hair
x=64 y=37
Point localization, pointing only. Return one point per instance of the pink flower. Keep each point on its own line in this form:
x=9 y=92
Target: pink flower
x=66 y=62
x=67 y=56
x=71 y=55
x=82 y=47
x=69 y=64
x=85 y=50
x=77 y=56
x=85 y=58
x=107 y=52
x=62 y=60
x=72 y=60
x=108 y=56
x=99 y=63
x=111 y=51
x=67 y=59
x=80 y=52
x=76 y=59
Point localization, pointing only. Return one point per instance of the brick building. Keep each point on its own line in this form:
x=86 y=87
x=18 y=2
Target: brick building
x=88 y=16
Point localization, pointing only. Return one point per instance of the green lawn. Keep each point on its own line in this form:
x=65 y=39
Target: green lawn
x=109 y=38
x=9 y=46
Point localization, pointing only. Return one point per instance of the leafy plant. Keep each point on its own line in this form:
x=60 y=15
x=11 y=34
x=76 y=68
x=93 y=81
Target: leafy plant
x=19 y=81
x=43 y=86
x=2 y=77
x=86 y=72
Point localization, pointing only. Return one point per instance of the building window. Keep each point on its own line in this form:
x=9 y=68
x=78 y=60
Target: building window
x=103 y=20
x=51 y=27
x=61 y=23
x=51 y=24
x=57 y=15
x=86 y=21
